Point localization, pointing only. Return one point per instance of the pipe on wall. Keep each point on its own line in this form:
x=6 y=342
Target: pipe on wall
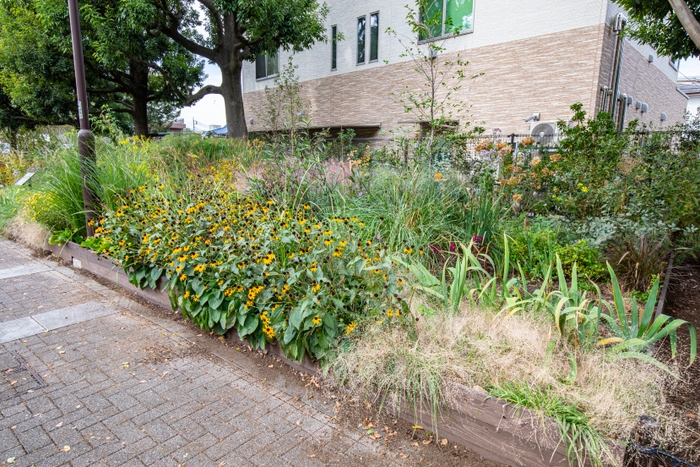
x=619 y=26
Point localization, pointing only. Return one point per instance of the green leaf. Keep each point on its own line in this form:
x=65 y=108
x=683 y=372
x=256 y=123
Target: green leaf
x=216 y=299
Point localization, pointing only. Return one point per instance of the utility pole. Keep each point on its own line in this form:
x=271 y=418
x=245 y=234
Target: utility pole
x=86 y=140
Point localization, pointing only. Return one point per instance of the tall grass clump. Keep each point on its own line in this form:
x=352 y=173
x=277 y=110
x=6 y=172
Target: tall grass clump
x=414 y=208
x=57 y=202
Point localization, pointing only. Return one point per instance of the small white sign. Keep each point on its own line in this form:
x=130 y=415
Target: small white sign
x=24 y=179
x=77 y=263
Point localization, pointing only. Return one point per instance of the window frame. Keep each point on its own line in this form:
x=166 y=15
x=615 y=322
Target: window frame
x=362 y=49
x=373 y=41
x=444 y=35
x=334 y=47
x=267 y=66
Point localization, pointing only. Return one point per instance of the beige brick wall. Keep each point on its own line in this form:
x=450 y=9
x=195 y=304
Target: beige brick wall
x=644 y=81
x=544 y=74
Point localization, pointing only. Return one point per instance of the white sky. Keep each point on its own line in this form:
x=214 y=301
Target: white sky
x=210 y=109
x=689 y=68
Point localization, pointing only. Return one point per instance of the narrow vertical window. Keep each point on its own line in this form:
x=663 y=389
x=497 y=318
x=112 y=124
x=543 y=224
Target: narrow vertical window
x=260 y=66
x=266 y=65
x=334 y=47
x=361 y=26
x=374 y=36
x=272 y=64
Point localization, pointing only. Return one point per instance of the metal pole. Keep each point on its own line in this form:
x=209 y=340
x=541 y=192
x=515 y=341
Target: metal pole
x=86 y=140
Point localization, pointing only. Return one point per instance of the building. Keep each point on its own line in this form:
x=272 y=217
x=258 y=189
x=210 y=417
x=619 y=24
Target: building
x=691 y=88
x=177 y=127
x=535 y=58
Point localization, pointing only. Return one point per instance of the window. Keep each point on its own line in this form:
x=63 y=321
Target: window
x=361 y=26
x=373 y=36
x=334 y=47
x=266 y=65
x=443 y=17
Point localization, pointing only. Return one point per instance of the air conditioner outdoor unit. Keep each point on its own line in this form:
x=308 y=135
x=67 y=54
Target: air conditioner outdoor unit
x=544 y=132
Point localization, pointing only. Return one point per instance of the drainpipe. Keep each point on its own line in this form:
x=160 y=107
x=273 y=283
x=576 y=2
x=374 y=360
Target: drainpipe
x=605 y=98
x=623 y=112
x=619 y=26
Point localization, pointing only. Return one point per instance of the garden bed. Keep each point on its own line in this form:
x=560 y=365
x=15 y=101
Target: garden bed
x=495 y=429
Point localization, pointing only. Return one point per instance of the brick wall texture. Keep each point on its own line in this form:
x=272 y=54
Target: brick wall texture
x=544 y=74
x=644 y=82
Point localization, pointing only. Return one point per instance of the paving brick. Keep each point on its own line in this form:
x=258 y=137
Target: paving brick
x=190 y=409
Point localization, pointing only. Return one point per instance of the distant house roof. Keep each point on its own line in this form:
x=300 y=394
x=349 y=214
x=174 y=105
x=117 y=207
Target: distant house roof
x=689 y=88
x=177 y=127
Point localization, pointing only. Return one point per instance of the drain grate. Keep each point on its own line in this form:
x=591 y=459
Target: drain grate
x=16 y=378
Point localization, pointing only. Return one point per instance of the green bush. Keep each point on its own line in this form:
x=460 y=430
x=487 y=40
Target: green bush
x=272 y=274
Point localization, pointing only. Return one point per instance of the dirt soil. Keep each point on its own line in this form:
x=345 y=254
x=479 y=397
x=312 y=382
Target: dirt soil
x=684 y=302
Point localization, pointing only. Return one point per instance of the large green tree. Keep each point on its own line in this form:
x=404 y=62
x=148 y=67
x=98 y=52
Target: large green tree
x=670 y=26
x=237 y=30
x=128 y=69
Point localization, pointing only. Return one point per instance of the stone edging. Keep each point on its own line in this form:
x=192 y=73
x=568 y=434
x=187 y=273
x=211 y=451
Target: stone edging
x=495 y=429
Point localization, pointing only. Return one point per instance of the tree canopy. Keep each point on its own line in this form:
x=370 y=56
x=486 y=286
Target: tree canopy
x=237 y=30
x=667 y=25
x=128 y=70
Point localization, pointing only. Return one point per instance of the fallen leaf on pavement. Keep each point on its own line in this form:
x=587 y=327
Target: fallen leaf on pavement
x=427 y=441
x=11 y=460
x=66 y=448
x=444 y=442
x=62 y=352
x=691 y=415
x=417 y=427
x=59 y=425
x=403 y=456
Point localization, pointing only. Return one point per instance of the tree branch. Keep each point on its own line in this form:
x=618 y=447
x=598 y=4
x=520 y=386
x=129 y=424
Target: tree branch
x=687 y=19
x=217 y=17
x=170 y=29
x=208 y=89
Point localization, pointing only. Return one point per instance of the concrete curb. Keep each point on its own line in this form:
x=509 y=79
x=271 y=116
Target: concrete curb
x=495 y=429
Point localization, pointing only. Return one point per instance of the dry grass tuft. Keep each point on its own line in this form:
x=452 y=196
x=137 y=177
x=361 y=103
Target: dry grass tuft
x=477 y=350
x=27 y=233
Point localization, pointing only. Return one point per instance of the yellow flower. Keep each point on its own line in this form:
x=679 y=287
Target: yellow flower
x=187 y=294
x=438 y=176
x=517 y=198
x=350 y=327
x=316 y=320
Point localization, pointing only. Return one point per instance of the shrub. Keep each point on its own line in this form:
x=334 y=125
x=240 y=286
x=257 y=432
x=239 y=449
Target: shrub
x=271 y=273
x=638 y=260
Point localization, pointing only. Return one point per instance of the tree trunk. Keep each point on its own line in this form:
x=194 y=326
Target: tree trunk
x=687 y=19
x=139 y=79
x=232 y=93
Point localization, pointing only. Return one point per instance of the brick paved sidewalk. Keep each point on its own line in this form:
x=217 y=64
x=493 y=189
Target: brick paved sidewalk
x=123 y=390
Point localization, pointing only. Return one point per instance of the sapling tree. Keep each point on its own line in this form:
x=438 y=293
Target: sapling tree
x=440 y=78
x=283 y=107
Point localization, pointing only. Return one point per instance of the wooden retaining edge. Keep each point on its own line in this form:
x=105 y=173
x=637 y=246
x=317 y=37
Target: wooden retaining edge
x=491 y=427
